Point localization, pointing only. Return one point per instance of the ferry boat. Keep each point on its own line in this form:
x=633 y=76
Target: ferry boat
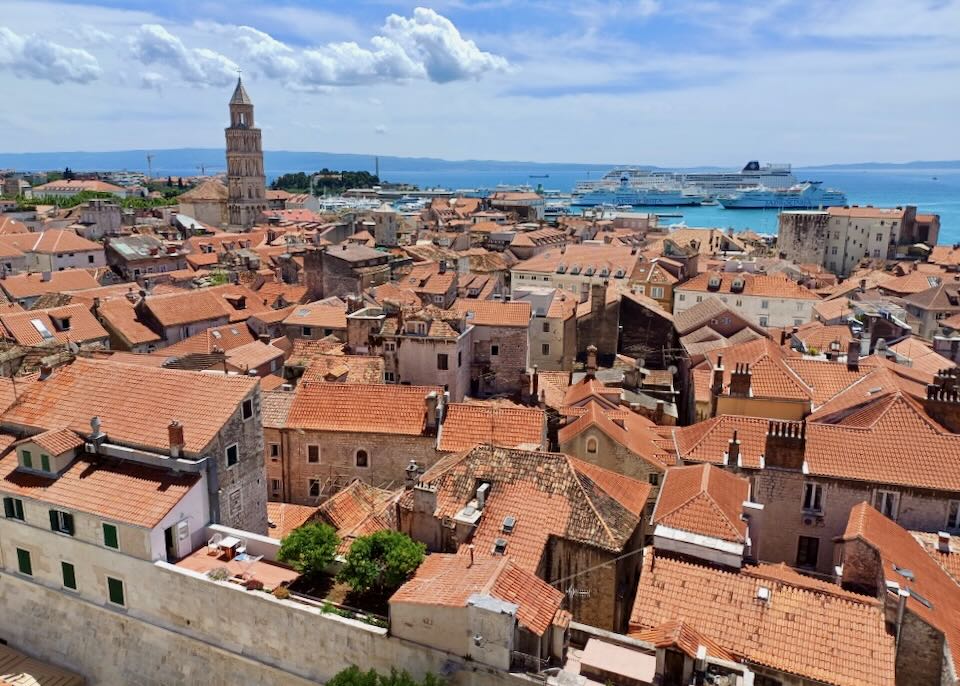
x=627 y=194
x=707 y=183
x=803 y=196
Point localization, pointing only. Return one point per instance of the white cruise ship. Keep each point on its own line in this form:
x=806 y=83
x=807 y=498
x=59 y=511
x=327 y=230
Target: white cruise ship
x=709 y=184
x=626 y=194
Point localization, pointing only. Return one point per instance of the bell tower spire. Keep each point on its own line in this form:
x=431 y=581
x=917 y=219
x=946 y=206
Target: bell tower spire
x=246 y=181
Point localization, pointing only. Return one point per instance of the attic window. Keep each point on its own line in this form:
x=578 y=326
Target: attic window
x=904 y=572
x=500 y=546
x=216 y=334
x=509 y=522
x=619 y=274
x=590 y=271
x=561 y=268
x=41 y=329
x=575 y=269
x=604 y=272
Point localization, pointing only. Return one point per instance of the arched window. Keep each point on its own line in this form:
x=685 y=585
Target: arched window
x=363 y=460
x=592 y=446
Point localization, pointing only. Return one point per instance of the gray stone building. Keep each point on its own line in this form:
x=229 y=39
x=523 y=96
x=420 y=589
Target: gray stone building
x=246 y=181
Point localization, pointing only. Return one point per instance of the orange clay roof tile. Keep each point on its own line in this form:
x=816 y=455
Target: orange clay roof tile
x=361 y=408
x=703 y=499
x=467 y=425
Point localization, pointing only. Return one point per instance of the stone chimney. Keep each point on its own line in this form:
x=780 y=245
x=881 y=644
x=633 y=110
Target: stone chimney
x=535 y=379
x=177 y=442
x=443 y=267
x=785 y=444
x=853 y=355
x=591 y=361
x=45 y=371
x=432 y=400
x=943 y=541
x=733 y=451
x=45 y=276
x=740 y=380
x=716 y=385
x=943 y=399
x=659 y=412
x=410 y=475
x=264 y=338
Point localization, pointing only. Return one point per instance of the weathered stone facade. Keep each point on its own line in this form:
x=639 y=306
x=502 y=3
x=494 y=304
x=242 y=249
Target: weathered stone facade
x=246 y=181
x=611 y=455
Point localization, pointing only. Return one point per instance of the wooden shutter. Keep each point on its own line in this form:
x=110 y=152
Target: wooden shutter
x=8 y=509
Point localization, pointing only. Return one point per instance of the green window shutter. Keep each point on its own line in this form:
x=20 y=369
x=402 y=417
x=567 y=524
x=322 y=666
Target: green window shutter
x=23 y=562
x=18 y=508
x=115 y=590
x=69 y=575
x=54 y=525
x=110 y=536
x=44 y=462
x=27 y=459
x=8 y=509
x=68 y=523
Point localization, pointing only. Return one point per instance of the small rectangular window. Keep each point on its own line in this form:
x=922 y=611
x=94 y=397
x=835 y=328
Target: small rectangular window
x=69 y=575
x=110 y=537
x=13 y=508
x=494 y=350
x=443 y=362
x=813 y=497
x=886 y=502
x=61 y=522
x=275 y=486
x=765 y=304
x=653 y=478
x=27 y=459
x=389 y=377
x=313 y=454
x=699 y=298
x=115 y=591
x=389 y=346
x=314 y=488
x=459 y=358
x=656 y=292
x=808 y=550
x=247 y=408
x=233 y=455
x=953 y=515
x=763 y=321
x=274 y=450
x=681 y=297
x=545 y=349
x=24 y=564
x=307 y=331
x=546 y=327
x=44 y=462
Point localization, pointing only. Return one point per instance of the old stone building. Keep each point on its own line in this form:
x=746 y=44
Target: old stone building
x=553 y=329
x=499 y=357
x=335 y=433
x=344 y=270
x=567 y=521
x=246 y=181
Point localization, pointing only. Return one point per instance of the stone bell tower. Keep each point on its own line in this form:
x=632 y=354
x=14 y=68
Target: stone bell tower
x=246 y=182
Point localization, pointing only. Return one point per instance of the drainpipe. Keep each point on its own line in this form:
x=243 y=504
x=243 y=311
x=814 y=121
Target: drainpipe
x=902 y=596
x=213 y=489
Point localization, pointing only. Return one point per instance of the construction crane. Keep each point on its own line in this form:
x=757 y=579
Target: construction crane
x=149 y=166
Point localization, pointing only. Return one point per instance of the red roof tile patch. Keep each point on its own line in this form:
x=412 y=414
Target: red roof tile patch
x=361 y=408
x=704 y=499
x=467 y=425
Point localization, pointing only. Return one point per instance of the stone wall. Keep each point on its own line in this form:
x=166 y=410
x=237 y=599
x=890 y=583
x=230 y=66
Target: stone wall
x=611 y=455
x=503 y=372
x=802 y=236
x=920 y=652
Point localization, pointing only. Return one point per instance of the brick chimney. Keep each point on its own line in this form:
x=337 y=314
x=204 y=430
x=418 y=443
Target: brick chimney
x=733 y=451
x=716 y=385
x=785 y=444
x=177 y=442
x=943 y=399
x=740 y=380
x=853 y=355
x=535 y=378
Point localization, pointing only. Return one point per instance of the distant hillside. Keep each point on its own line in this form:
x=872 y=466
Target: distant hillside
x=892 y=166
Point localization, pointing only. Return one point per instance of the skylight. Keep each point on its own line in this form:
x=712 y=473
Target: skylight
x=41 y=329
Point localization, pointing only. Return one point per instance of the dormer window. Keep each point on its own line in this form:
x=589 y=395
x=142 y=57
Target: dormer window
x=714 y=282
x=737 y=285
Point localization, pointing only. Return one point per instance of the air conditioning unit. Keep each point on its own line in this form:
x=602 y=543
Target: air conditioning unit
x=809 y=520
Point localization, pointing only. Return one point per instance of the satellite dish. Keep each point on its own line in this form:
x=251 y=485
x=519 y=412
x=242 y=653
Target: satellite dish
x=672 y=369
x=73 y=347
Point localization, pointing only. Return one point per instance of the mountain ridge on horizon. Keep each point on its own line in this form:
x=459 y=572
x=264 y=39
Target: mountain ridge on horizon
x=212 y=160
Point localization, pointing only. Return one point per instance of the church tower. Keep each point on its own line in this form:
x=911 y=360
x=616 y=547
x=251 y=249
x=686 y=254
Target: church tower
x=246 y=183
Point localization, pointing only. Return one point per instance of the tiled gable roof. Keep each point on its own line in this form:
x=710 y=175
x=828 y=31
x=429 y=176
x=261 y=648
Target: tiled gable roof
x=494 y=313
x=757 y=285
x=825 y=378
x=836 y=638
x=187 y=307
x=318 y=314
x=467 y=425
x=677 y=634
x=709 y=440
x=344 y=368
x=30 y=285
x=274 y=408
x=636 y=434
x=83 y=327
x=285 y=518
x=57 y=441
x=120 y=316
x=703 y=499
x=549 y=494
x=120 y=491
x=135 y=403
x=452 y=580
x=361 y=408
x=359 y=509
x=226 y=337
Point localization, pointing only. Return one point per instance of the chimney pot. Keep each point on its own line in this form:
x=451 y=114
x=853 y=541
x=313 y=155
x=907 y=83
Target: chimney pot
x=177 y=442
x=45 y=372
x=853 y=355
x=943 y=541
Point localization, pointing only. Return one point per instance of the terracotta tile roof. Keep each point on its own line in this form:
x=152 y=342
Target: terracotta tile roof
x=835 y=638
x=135 y=403
x=772 y=378
x=361 y=408
x=549 y=494
x=275 y=407
x=703 y=313
x=83 y=326
x=121 y=491
x=319 y=315
x=866 y=212
x=304 y=350
x=948 y=559
x=451 y=581
x=273 y=290
x=467 y=425
x=868 y=445
x=208 y=190
x=634 y=432
x=9 y=225
x=588 y=388
x=831 y=310
x=944 y=298
x=359 y=509
x=77 y=185
x=822 y=337
x=253 y=355
x=825 y=378
x=32 y=285
x=703 y=499
x=57 y=441
x=494 y=313
x=120 y=316
x=187 y=307
x=586 y=256
x=709 y=440
x=62 y=240
x=757 y=285
x=285 y=517
x=947 y=255
x=553 y=388
x=879 y=380
x=11 y=389
x=899 y=550
x=344 y=369
x=920 y=356
x=225 y=337
x=676 y=634
x=913 y=282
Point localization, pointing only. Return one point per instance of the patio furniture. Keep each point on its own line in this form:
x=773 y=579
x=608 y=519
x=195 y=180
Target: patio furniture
x=229 y=545
x=213 y=545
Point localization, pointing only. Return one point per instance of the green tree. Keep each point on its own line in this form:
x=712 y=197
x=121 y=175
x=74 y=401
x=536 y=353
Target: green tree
x=68 y=173
x=179 y=182
x=381 y=561
x=309 y=549
x=170 y=182
x=353 y=676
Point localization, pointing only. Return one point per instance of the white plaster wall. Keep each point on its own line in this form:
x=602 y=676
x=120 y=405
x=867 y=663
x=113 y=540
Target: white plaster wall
x=780 y=312
x=194 y=507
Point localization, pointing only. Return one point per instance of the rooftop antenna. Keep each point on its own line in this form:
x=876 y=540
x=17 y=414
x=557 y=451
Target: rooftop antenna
x=149 y=165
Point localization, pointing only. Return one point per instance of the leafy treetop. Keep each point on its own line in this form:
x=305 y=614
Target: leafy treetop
x=309 y=549
x=381 y=561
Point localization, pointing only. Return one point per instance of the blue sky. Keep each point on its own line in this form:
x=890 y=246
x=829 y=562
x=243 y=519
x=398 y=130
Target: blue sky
x=670 y=82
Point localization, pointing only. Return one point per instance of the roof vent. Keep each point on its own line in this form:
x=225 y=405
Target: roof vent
x=920 y=599
x=763 y=594
x=508 y=523
x=500 y=546
x=905 y=573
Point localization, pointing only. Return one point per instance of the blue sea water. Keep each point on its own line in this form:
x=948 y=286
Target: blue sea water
x=931 y=190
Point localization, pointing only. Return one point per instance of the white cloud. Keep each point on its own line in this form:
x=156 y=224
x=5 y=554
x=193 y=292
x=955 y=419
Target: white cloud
x=154 y=45
x=435 y=42
x=426 y=46
x=151 y=80
x=380 y=129
x=91 y=34
x=35 y=57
